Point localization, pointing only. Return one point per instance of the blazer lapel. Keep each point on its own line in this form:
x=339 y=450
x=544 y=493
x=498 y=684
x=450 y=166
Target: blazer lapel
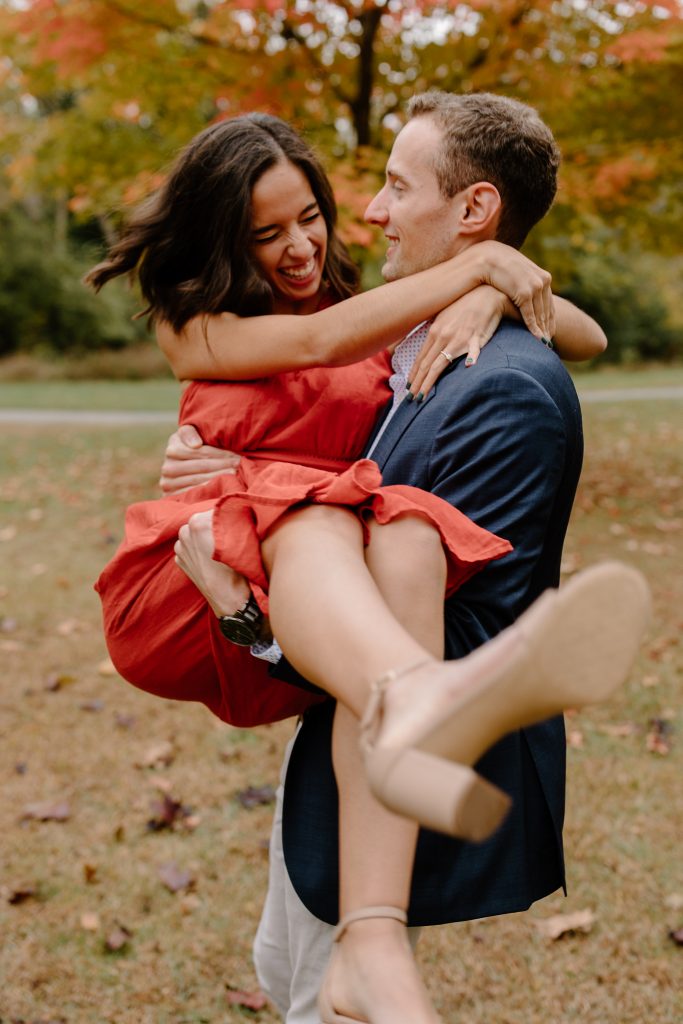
x=399 y=423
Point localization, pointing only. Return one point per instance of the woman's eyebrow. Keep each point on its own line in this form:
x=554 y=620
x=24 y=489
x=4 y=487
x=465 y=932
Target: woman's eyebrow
x=271 y=227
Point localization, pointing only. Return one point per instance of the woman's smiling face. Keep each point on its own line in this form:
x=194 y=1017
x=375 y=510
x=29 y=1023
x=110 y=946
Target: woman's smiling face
x=289 y=236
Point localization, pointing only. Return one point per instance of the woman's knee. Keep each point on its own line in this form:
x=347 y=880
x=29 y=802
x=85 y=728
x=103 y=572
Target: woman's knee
x=411 y=542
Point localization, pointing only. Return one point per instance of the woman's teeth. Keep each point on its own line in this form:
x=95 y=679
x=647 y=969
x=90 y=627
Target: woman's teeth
x=299 y=273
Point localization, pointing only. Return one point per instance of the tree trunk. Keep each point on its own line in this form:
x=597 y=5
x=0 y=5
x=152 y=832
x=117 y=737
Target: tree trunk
x=361 y=105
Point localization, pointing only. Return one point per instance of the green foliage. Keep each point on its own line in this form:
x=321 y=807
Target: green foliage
x=628 y=304
x=43 y=304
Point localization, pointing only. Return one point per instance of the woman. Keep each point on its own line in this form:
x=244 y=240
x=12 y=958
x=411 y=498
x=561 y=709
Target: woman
x=223 y=189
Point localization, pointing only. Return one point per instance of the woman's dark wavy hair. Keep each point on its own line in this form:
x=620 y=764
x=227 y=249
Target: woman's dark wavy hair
x=190 y=243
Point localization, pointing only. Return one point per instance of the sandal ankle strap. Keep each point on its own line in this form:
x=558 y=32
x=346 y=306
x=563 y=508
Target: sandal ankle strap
x=368 y=912
x=374 y=708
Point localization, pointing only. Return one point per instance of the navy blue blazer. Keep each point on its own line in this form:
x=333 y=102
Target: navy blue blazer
x=502 y=441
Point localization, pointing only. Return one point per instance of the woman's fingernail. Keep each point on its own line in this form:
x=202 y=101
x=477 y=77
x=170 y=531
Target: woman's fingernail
x=408 y=385
x=410 y=397
x=469 y=361
x=420 y=397
x=548 y=342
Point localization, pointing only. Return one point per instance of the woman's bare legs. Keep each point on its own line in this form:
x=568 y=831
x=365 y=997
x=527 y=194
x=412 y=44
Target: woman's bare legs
x=374 y=975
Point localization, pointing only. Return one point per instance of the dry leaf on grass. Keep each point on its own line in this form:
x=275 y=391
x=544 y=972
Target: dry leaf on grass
x=167 y=812
x=56 y=681
x=249 y=1000
x=106 y=668
x=658 y=739
x=160 y=754
x=92 y=705
x=174 y=878
x=674 y=901
x=677 y=936
x=118 y=938
x=256 y=796
x=47 y=811
x=70 y=626
x=19 y=894
x=90 y=874
x=11 y=646
x=90 y=922
x=623 y=730
x=562 y=924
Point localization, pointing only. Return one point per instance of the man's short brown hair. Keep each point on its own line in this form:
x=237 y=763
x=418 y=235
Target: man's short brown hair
x=499 y=140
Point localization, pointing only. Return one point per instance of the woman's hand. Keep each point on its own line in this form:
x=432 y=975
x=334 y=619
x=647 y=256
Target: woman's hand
x=462 y=328
x=526 y=285
x=188 y=462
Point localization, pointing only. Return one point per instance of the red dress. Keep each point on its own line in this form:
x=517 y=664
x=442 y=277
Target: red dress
x=300 y=435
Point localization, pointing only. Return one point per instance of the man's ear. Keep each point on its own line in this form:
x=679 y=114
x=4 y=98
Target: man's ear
x=481 y=210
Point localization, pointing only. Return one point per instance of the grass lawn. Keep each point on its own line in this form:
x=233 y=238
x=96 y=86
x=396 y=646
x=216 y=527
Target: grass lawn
x=156 y=395
x=70 y=731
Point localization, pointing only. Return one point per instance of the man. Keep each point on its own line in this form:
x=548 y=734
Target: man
x=502 y=441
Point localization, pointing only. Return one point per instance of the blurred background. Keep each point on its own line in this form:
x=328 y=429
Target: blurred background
x=97 y=96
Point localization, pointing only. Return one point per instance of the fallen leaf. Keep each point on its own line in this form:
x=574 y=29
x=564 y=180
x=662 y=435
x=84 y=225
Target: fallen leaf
x=658 y=739
x=626 y=729
x=90 y=922
x=59 y=811
x=106 y=668
x=190 y=903
x=124 y=721
x=38 y=569
x=677 y=936
x=160 y=754
x=575 y=739
x=649 y=681
x=249 y=1000
x=92 y=705
x=8 y=625
x=20 y=894
x=90 y=874
x=56 y=681
x=256 y=796
x=8 y=533
x=117 y=938
x=174 y=878
x=70 y=626
x=562 y=924
x=11 y=646
x=166 y=812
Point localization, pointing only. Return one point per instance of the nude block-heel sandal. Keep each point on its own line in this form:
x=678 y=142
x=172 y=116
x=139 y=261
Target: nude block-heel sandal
x=572 y=647
x=328 y=1015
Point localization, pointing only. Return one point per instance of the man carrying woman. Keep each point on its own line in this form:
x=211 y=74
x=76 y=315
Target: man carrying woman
x=501 y=440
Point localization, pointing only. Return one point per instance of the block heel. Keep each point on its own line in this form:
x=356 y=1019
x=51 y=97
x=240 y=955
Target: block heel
x=442 y=795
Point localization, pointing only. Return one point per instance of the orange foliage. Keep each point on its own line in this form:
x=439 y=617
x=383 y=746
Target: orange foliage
x=645 y=45
x=613 y=180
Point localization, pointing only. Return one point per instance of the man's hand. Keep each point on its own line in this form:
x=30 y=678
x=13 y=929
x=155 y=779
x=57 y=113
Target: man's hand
x=224 y=589
x=188 y=462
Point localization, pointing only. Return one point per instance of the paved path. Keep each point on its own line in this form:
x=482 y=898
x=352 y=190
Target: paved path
x=41 y=417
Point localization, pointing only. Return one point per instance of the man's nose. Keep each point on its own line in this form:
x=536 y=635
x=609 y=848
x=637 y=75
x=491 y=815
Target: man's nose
x=376 y=212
